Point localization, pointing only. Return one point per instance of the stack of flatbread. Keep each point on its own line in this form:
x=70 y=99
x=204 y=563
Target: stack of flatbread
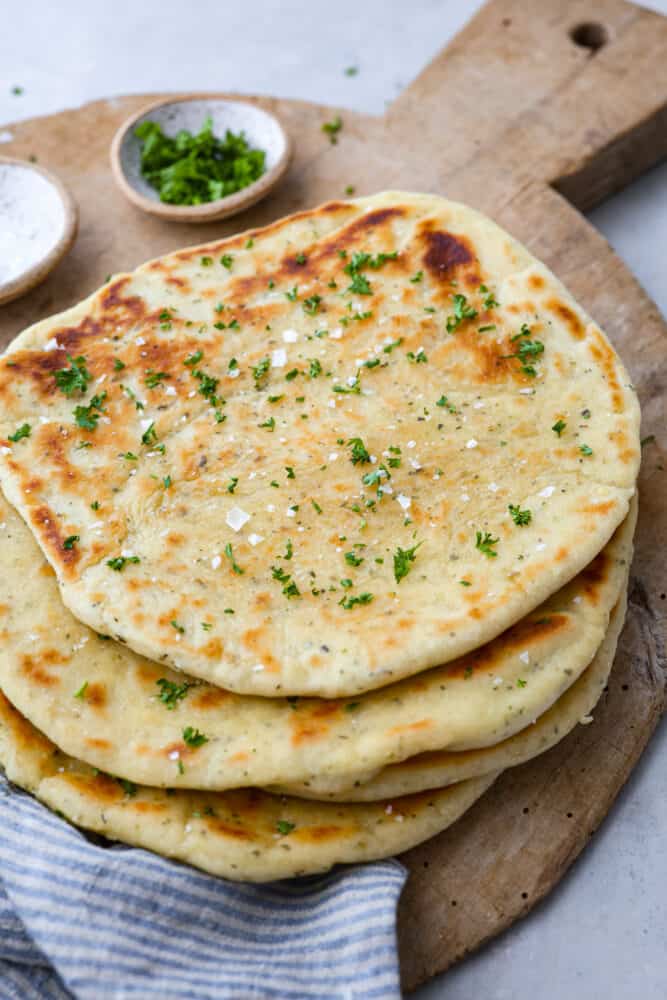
x=308 y=535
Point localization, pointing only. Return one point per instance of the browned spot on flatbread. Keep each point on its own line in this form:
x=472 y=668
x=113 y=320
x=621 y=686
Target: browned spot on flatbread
x=536 y=281
x=97 y=744
x=252 y=639
x=444 y=252
x=210 y=697
x=224 y=829
x=45 y=523
x=314 y=725
x=410 y=727
x=568 y=317
x=148 y=807
x=99 y=787
x=320 y=834
x=35 y=667
x=96 y=695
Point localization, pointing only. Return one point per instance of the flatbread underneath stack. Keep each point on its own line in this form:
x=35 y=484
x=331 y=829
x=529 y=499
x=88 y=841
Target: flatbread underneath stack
x=386 y=378
x=246 y=835
x=100 y=702
x=436 y=769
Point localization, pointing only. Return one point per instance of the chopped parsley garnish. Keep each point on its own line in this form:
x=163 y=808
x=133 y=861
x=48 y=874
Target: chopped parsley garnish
x=316 y=507
x=465 y=583
x=269 y=423
x=75 y=378
x=290 y=588
x=462 y=311
x=150 y=434
x=206 y=261
x=81 y=693
x=520 y=682
x=118 y=365
x=193 y=738
x=444 y=402
x=166 y=482
x=290 y=472
x=559 y=427
x=293 y=293
x=519 y=516
x=416 y=278
x=261 y=370
x=87 y=416
x=394 y=461
x=417 y=359
x=227 y=260
x=311 y=305
x=153 y=379
x=128 y=787
x=485 y=329
x=230 y=555
x=95 y=505
x=352 y=559
x=488 y=302
x=332 y=129
x=119 y=562
x=585 y=450
x=360 y=285
x=403 y=559
x=193 y=359
x=171 y=693
x=359 y=454
x=315 y=368
x=485 y=543
x=284 y=827
x=130 y=456
x=301 y=258
x=352 y=601
x=71 y=541
x=21 y=432
x=189 y=169
x=231 y=485
x=388 y=348
x=349 y=390
x=175 y=625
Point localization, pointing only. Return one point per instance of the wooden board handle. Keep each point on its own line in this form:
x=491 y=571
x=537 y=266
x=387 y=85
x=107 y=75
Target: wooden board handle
x=578 y=88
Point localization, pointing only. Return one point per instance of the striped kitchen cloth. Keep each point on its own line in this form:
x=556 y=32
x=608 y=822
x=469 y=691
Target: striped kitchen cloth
x=101 y=922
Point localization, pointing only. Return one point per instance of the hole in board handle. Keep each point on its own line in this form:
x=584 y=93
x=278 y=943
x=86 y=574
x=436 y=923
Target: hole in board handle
x=589 y=35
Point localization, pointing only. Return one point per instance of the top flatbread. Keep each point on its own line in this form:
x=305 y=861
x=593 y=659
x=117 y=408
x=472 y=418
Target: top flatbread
x=291 y=468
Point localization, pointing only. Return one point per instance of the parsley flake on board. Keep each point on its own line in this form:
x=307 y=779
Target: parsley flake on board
x=485 y=543
x=192 y=169
x=171 y=693
x=520 y=517
x=21 y=432
x=193 y=738
x=332 y=129
x=75 y=378
x=403 y=559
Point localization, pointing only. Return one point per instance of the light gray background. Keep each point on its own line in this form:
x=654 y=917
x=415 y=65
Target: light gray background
x=602 y=935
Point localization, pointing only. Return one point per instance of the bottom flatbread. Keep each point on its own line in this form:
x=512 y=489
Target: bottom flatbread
x=437 y=769
x=247 y=835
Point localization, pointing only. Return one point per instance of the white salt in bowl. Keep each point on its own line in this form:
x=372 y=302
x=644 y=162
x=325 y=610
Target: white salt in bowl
x=38 y=225
x=261 y=129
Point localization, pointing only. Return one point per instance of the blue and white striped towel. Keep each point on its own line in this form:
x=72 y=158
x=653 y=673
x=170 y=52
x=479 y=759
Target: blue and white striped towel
x=96 y=923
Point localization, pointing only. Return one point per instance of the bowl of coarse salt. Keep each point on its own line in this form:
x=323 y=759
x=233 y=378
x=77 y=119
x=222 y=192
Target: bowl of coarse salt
x=38 y=224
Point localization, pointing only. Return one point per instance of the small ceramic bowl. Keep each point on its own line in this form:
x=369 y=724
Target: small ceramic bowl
x=261 y=129
x=39 y=225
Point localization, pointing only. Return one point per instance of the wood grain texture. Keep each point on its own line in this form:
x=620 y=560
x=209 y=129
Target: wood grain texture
x=514 y=118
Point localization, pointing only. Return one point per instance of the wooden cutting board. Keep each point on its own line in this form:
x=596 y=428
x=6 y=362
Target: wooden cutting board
x=537 y=110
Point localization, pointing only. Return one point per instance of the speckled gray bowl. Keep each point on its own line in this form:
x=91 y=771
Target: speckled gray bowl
x=262 y=131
